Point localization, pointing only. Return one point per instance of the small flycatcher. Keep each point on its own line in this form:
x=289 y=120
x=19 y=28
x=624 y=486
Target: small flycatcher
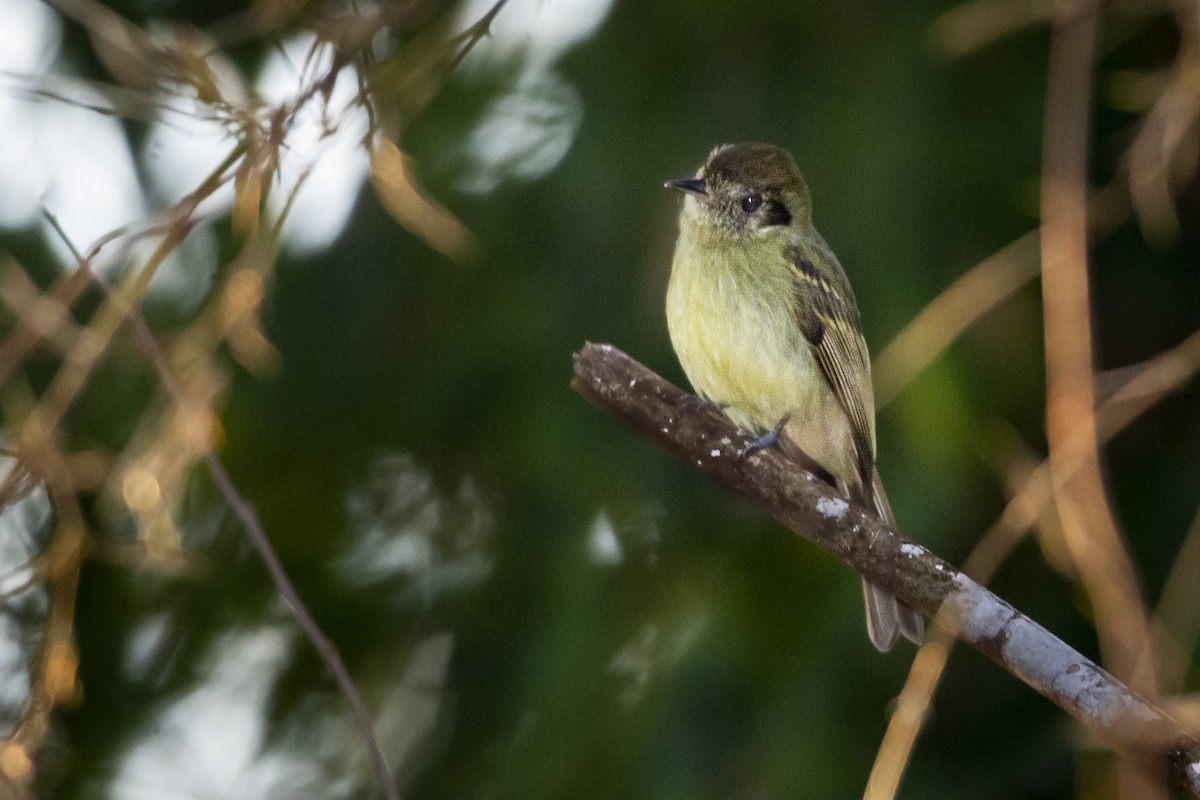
x=765 y=325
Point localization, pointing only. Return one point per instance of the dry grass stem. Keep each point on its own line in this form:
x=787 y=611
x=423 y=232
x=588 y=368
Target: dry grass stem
x=147 y=478
x=1072 y=474
x=953 y=311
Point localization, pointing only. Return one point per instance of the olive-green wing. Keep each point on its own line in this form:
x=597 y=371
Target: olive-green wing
x=827 y=315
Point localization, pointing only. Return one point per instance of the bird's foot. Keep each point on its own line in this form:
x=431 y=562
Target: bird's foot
x=768 y=439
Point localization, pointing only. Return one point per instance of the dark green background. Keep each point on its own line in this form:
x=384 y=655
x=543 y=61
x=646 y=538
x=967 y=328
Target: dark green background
x=756 y=679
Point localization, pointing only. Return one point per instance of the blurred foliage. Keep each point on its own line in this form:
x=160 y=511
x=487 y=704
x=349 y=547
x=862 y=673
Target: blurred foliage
x=535 y=603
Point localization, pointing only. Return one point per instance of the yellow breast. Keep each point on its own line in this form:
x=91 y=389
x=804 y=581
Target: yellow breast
x=736 y=338
x=733 y=328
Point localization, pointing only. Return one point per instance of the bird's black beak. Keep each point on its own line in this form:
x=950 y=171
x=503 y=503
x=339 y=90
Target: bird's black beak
x=690 y=185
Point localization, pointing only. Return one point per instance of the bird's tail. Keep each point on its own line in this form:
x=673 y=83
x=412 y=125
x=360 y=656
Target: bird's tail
x=888 y=617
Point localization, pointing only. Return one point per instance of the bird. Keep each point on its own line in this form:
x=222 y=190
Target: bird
x=766 y=327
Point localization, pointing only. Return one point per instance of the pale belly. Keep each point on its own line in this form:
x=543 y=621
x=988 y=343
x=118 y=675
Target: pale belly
x=752 y=360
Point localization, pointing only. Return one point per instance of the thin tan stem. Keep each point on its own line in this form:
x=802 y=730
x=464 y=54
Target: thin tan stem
x=1088 y=526
x=955 y=309
x=1151 y=381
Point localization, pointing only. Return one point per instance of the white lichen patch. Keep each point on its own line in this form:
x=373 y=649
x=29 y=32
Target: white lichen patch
x=1046 y=662
x=912 y=550
x=832 y=507
x=716 y=451
x=980 y=613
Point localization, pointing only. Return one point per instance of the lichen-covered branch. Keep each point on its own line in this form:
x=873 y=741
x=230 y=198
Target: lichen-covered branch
x=702 y=436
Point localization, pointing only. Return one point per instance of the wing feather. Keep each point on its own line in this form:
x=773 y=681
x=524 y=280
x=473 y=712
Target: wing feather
x=828 y=316
x=830 y=321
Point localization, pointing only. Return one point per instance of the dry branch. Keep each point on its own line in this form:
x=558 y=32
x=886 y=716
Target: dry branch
x=705 y=438
x=153 y=71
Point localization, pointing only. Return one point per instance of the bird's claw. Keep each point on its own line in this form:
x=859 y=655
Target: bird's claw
x=768 y=439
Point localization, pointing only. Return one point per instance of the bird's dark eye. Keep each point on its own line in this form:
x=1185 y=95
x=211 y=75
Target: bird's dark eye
x=752 y=203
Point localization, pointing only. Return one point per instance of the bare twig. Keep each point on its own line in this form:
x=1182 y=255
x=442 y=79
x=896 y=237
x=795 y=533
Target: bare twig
x=154 y=73
x=472 y=35
x=969 y=26
x=1149 y=383
x=53 y=672
x=1089 y=530
x=1019 y=515
x=312 y=631
x=705 y=438
x=283 y=584
x=144 y=337
x=955 y=309
x=972 y=295
x=26 y=335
